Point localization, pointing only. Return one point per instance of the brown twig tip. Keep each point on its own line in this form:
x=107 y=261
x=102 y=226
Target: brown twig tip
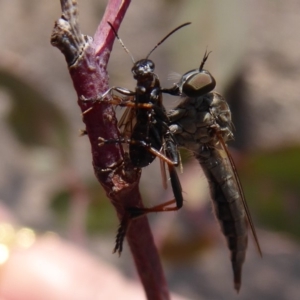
x=66 y=35
x=69 y=6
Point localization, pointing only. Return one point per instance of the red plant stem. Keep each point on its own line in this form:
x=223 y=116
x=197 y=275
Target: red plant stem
x=87 y=62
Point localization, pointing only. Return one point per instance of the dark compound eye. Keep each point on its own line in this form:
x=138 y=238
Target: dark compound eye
x=143 y=67
x=151 y=65
x=198 y=84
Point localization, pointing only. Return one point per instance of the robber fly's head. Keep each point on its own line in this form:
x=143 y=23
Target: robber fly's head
x=143 y=68
x=197 y=82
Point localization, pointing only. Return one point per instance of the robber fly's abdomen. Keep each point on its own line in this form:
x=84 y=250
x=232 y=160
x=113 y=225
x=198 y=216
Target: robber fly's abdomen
x=228 y=205
x=203 y=125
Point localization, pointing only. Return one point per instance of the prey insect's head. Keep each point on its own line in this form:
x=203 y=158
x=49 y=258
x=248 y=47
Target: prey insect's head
x=144 y=67
x=197 y=82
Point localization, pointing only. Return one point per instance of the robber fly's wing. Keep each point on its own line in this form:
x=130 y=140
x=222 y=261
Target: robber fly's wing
x=224 y=146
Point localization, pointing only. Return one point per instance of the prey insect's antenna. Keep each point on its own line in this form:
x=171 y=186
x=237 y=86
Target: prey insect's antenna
x=205 y=57
x=177 y=28
x=121 y=42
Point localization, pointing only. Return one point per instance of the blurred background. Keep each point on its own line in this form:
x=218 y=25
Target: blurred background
x=46 y=176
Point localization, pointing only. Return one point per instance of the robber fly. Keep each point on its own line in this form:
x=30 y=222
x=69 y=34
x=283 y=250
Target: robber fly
x=202 y=123
x=144 y=127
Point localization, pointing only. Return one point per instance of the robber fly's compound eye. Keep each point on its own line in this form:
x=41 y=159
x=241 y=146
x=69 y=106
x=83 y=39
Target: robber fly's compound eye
x=198 y=83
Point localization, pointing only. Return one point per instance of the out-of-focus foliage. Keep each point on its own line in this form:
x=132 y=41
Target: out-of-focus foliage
x=35 y=120
x=100 y=216
x=60 y=204
x=271 y=184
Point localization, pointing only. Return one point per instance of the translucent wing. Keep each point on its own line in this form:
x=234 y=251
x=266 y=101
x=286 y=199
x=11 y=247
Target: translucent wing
x=234 y=171
x=127 y=122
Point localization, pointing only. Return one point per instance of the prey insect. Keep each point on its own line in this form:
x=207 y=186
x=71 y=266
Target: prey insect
x=202 y=123
x=144 y=127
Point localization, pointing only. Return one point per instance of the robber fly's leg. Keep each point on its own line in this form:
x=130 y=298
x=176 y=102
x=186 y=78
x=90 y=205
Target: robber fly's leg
x=175 y=91
x=176 y=114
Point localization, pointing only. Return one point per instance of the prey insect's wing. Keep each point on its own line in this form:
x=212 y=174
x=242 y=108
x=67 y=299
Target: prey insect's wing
x=236 y=177
x=127 y=122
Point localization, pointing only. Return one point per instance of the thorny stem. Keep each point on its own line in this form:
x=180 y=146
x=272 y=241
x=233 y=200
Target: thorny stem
x=87 y=61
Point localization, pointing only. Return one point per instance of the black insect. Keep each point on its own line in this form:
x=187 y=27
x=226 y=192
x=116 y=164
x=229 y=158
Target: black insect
x=202 y=123
x=145 y=128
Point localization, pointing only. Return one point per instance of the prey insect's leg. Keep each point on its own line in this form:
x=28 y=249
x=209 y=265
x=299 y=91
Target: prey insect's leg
x=176 y=187
x=172 y=155
x=111 y=98
x=117 y=100
x=156 y=153
x=103 y=141
x=134 y=213
x=120 y=90
x=178 y=200
x=152 y=150
x=125 y=102
x=121 y=235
